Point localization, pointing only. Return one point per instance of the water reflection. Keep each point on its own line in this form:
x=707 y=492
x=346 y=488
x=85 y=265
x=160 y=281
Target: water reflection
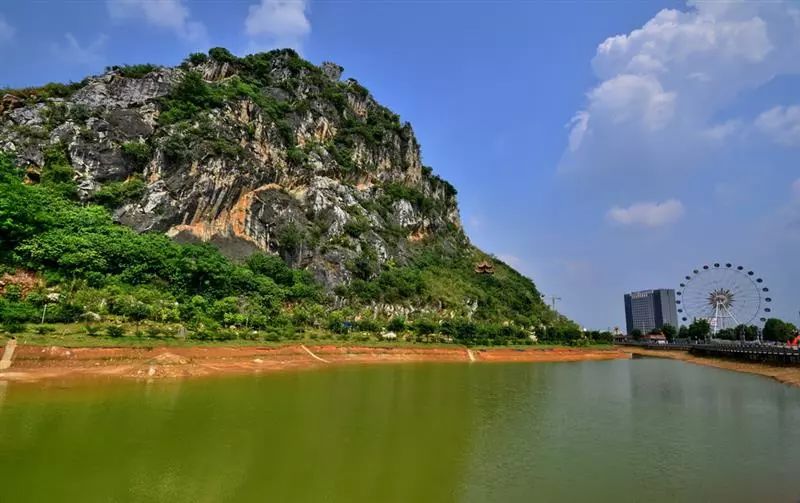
x=650 y=430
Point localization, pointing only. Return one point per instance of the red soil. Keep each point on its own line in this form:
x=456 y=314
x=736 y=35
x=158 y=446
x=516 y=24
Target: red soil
x=35 y=363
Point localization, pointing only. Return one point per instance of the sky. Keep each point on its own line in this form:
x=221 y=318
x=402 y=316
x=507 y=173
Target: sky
x=599 y=147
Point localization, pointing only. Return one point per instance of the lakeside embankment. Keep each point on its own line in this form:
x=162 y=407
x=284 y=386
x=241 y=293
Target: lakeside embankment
x=36 y=363
x=785 y=374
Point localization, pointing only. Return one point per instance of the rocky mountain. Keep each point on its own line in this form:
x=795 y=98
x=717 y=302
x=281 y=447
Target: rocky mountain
x=263 y=153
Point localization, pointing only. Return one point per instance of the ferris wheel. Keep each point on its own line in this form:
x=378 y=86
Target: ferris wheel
x=726 y=295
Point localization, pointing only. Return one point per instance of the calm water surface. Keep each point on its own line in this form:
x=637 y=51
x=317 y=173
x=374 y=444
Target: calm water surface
x=639 y=430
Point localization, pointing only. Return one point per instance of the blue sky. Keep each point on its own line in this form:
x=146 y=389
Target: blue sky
x=599 y=147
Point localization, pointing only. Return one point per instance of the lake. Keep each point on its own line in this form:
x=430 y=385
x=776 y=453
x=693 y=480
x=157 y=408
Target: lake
x=625 y=430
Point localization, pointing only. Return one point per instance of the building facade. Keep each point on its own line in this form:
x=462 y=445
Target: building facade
x=649 y=309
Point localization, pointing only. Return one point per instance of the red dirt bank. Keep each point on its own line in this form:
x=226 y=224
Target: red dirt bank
x=35 y=363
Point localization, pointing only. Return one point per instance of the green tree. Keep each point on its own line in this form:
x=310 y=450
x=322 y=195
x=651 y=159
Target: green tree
x=778 y=330
x=636 y=334
x=669 y=332
x=700 y=329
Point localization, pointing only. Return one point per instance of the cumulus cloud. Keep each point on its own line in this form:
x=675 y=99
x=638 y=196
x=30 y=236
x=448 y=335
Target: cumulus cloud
x=647 y=214
x=781 y=125
x=278 y=23
x=167 y=14
x=6 y=30
x=662 y=86
x=74 y=53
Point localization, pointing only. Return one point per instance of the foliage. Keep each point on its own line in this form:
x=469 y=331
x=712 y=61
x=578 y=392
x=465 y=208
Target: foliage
x=669 y=332
x=778 y=330
x=113 y=269
x=133 y=71
x=222 y=55
x=197 y=58
x=699 y=329
x=115 y=331
x=138 y=154
x=115 y=194
x=45 y=92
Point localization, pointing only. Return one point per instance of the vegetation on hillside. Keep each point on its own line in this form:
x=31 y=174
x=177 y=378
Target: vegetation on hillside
x=91 y=268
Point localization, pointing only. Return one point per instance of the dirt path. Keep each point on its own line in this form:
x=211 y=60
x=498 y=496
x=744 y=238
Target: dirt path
x=323 y=360
x=37 y=363
x=8 y=354
x=785 y=374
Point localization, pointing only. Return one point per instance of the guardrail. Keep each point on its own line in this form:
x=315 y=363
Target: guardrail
x=755 y=352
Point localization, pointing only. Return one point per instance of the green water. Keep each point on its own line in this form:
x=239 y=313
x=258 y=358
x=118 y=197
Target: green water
x=638 y=430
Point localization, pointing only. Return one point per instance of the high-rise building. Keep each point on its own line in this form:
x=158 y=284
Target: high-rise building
x=650 y=309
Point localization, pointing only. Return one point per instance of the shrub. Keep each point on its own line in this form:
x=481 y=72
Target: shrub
x=44 y=329
x=368 y=325
x=296 y=155
x=133 y=71
x=197 y=58
x=91 y=330
x=154 y=332
x=424 y=326
x=222 y=55
x=13 y=327
x=115 y=331
x=138 y=154
x=13 y=292
x=397 y=324
x=115 y=194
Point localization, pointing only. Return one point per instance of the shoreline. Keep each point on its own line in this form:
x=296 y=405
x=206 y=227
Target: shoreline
x=33 y=363
x=784 y=374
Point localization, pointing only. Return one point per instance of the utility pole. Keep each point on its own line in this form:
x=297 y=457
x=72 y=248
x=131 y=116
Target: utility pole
x=553 y=300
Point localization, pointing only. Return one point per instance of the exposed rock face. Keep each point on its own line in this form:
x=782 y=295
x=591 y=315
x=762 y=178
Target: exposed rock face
x=281 y=157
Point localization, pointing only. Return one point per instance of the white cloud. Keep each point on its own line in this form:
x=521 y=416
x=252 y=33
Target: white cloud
x=73 y=53
x=662 y=86
x=278 y=23
x=647 y=214
x=723 y=131
x=781 y=124
x=167 y=14
x=6 y=30
x=633 y=99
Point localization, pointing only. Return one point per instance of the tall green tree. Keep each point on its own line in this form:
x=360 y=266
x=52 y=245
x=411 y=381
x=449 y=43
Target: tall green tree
x=669 y=332
x=778 y=330
x=699 y=329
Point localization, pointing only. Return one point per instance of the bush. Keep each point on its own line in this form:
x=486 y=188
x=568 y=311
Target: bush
x=138 y=154
x=222 y=55
x=91 y=330
x=44 y=329
x=115 y=331
x=197 y=58
x=368 y=325
x=154 y=332
x=133 y=71
x=13 y=327
x=424 y=326
x=115 y=194
x=397 y=324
